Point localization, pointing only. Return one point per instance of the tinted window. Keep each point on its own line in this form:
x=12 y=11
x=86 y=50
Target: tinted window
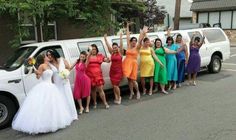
x=214 y=35
x=190 y=34
x=18 y=58
x=44 y=50
x=84 y=46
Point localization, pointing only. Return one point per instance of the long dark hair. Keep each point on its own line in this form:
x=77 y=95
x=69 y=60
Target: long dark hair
x=83 y=53
x=132 y=38
x=53 y=53
x=39 y=60
x=95 y=46
x=158 y=39
x=170 y=38
x=178 y=35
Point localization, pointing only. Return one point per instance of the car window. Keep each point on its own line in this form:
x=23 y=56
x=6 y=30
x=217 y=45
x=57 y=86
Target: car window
x=45 y=49
x=117 y=40
x=197 y=33
x=214 y=35
x=84 y=46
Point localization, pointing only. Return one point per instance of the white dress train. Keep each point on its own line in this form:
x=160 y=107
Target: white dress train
x=44 y=109
x=64 y=86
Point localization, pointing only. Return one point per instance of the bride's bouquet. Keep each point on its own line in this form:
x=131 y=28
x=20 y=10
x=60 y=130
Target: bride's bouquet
x=64 y=74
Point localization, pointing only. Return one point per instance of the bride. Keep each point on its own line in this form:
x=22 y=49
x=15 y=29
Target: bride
x=57 y=65
x=44 y=109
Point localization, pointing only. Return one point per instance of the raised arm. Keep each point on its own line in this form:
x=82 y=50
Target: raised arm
x=168 y=31
x=156 y=58
x=201 y=41
x=128 y=35
x=107 y=44
x=121 y=44
x=67 y=65
x=141 y=36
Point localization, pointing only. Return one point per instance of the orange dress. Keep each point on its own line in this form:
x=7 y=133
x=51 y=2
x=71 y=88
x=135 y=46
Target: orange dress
x=130 y=64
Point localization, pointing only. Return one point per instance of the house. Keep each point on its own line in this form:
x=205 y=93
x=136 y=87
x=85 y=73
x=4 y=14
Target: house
x=216 y=11
x=185 y=13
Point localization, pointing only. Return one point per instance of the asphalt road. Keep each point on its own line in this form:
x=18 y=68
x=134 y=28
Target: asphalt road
x=203 y=112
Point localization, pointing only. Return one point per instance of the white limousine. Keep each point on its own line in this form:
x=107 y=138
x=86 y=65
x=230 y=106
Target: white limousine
x=15 y=81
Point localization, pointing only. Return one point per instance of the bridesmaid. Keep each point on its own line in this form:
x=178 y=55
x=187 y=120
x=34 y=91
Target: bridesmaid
x=130 y=64
x=160 y=74
x=116 y=67
x=82 y=85
x=194 y=61
x=94 y=72
x=147 y=64
x=171 y=63
x=182 y=59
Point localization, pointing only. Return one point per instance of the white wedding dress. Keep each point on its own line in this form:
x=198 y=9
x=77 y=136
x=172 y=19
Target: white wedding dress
x=44 y=109
x=64 y=86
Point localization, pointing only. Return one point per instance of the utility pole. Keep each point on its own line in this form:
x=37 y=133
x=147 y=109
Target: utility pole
x=177 y=14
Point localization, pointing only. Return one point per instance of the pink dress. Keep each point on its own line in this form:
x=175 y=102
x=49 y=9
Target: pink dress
x=82 y=85
x=94 y=70
x=116 y=69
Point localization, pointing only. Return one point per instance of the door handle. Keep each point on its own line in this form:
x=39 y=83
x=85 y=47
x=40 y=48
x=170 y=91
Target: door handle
x=14 y=81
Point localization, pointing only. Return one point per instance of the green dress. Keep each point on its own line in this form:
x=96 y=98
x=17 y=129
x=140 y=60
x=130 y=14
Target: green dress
x=160 y=73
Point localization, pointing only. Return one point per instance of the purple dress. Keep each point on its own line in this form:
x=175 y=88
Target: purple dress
x=194 y=60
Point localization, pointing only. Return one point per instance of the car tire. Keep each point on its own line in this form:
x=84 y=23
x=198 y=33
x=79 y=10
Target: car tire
x=215 y=64
x=7 y=111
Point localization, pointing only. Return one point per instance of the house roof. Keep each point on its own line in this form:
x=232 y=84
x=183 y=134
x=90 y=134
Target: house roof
x=213 y=5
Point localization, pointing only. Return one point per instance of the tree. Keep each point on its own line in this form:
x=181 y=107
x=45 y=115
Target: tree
x=93 y=13
x=154 y=13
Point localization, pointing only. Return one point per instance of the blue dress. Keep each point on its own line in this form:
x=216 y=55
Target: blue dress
x=181 y=65
x=171 y=64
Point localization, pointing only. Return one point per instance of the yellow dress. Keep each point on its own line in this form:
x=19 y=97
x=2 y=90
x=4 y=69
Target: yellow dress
x=146 y=63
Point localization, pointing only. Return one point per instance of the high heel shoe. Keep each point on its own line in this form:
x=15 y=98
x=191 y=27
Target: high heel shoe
x=87 y=110
x=131 y=95
x=95 y=106
x=138 y=95
x=81 y=111
x=107 y=106
x=144 y=92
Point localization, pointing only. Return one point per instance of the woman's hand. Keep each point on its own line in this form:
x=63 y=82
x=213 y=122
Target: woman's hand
x=106 y=59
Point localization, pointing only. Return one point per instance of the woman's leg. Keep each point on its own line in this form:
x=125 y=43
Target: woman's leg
x=163 y=89
x=194 y=79
x=131 y=88
x=117 y=92
x=151 y=85
x=102 y=96
x=136 y=88
x=174 y=85
x=87 y=104
x=81 y=109
x=143 y=85
x=94 y=96
x=189 y=78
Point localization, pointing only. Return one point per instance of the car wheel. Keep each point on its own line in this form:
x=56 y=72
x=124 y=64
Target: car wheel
x=215 y=64
x=7 y=111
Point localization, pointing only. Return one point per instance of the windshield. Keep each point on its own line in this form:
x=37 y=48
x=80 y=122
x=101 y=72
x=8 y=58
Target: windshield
x=18 y=58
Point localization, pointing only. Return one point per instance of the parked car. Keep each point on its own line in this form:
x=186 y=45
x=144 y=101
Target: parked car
x=16 y=81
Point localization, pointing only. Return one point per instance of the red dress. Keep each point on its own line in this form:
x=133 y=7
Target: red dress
x=116 y=69
x=94 y=70
x=82 y=85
